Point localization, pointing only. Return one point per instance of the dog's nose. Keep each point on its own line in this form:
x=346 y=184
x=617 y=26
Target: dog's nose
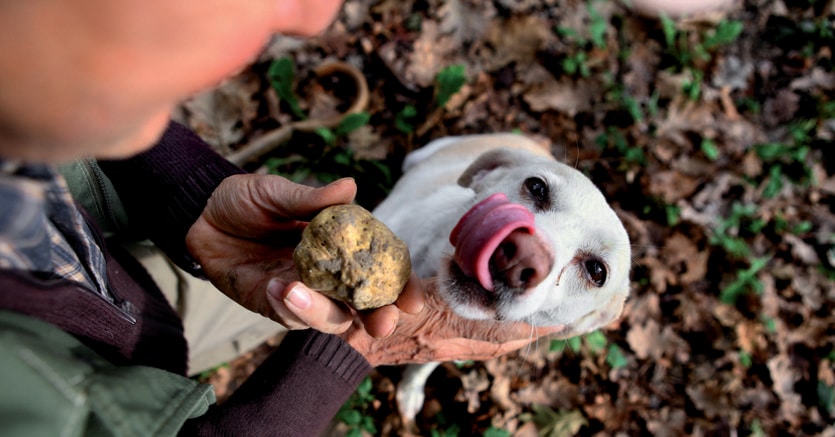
x=521 y=261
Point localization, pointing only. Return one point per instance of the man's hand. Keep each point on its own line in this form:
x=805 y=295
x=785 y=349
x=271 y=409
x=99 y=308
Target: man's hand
x=438 y=334
x=245 y=238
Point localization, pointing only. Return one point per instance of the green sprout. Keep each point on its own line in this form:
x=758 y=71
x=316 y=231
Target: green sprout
x=449 y=81
x=282 y=77
x=597 y=344
x=691 y=51
x=355 y=412
x=746 y=281
x=555 y=423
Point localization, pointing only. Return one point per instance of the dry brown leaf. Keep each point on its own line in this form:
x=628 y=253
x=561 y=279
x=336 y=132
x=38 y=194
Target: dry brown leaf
x=500 y=391
x=670 y=423
x=367 y=144
x=428 y=55
x=223 y=115
x=709 y=398
x=564 y=96
x=641 y=308
x=528 y=429
x=650 y=341
x=672 y=186
x=817 y=79
x=802 y=251
x=516 y=40
x=559 y=393
x=660 y=275
x=750 y=336
x=683 y=116
x=679 y=250
x=785 y=376
x=644 y=339
x=782 y=108
x=733 y=73
x=642 y=61
x=473 y=384
x=463 y=20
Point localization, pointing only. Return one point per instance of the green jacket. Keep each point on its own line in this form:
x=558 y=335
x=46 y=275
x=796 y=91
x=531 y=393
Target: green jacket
x=53 y=385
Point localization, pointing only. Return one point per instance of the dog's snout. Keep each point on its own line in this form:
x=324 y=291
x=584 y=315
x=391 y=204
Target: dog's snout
x=521 y=261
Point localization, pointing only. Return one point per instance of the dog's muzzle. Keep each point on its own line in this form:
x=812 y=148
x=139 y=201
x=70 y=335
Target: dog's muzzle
x=495 y=240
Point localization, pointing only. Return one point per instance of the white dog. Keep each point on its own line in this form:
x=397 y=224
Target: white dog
x=511 y=234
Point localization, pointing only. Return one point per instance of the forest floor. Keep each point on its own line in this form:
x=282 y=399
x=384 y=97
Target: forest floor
x=712 y=137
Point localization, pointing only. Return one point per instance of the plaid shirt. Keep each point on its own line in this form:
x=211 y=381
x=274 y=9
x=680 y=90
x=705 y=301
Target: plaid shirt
x=43 y=232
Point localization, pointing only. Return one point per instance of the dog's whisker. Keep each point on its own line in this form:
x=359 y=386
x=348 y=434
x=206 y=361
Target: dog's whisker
x=528 y=349
x=577 y=155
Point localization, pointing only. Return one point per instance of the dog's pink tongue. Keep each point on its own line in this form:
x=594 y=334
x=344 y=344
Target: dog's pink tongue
x=482 y=229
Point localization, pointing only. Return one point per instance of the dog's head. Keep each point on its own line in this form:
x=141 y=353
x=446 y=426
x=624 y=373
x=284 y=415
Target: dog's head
x=539 y=244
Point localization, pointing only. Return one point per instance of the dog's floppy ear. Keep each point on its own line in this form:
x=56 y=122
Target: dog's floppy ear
x=488 y=162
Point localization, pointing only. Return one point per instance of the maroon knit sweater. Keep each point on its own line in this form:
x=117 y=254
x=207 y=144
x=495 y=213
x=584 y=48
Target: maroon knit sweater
x=164 y=190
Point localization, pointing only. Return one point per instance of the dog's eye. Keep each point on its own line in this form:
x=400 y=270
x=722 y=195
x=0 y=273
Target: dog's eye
x=595 y=271
x=538 y=190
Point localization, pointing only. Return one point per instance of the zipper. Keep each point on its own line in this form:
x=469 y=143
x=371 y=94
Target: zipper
x=101 y=192
x=123 y=307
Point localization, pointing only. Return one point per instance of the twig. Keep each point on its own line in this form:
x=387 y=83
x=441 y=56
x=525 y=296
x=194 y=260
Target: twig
x=269 y=141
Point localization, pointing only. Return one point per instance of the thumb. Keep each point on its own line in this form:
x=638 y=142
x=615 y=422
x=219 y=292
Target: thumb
x=292 y=200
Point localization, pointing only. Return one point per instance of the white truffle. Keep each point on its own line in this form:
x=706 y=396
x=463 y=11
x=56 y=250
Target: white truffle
x=349 y=255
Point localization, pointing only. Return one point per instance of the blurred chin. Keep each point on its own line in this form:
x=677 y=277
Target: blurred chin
x=136 y=141
x=49 y=147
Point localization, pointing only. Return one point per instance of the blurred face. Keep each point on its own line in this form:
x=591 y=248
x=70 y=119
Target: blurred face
x=100 y=77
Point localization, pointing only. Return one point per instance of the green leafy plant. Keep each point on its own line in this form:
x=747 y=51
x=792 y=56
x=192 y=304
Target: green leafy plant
x=206 y=374
x=788 y=161
x=613 y=138
x=615 y=357
x=782 y=226
x=809 y=35
x=757 y=429
x=690 y=51
x=597 y=343
x=594 y=34
x=448 y=82
x=356 y=411
x=769 y=323
x=350 y=123
x=282 y=77
x=443 y=427
x=745 y=359
x=497 y=432
x=576 y=63
x=404 y=120
x=330 y=160
x=746 y=281
x=583 y=40
x=709 y=148
x=826 y=397
x=726 y=233
x=555 y=423
x=673 y=214
x=620 y=96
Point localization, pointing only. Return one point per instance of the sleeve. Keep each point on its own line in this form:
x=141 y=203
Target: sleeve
x=296 y=391
x=165 y=189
